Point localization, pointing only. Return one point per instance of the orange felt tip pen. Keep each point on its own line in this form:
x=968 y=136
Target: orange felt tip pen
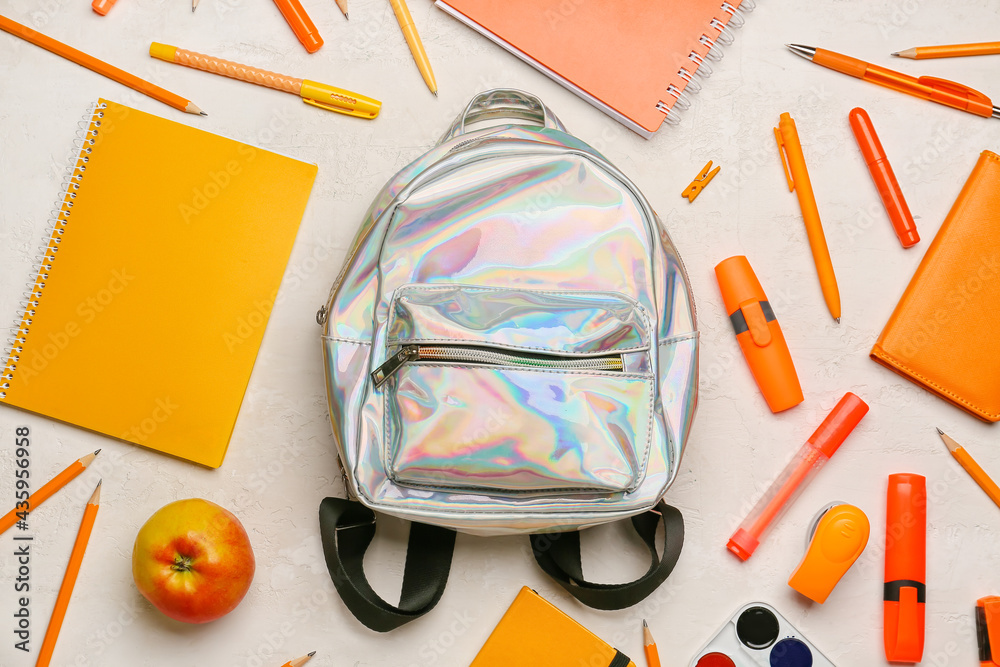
x=818 y=449
x=300 y=23
x=905 y=567
x=102 y=7
x=885 y=179
x=758 y=333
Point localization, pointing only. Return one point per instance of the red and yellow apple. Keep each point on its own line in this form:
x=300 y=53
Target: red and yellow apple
x=193 y=561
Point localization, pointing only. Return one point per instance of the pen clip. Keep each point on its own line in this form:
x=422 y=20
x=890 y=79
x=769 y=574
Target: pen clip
x=951 y=88
x=341 y=101
x=331 y=107
x=784 y=159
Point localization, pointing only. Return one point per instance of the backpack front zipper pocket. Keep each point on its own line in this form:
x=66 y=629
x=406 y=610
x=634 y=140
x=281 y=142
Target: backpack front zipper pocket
x=490 y=357
x=515 y=391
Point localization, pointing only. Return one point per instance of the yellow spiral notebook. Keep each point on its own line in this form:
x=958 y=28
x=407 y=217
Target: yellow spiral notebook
x=156 y=284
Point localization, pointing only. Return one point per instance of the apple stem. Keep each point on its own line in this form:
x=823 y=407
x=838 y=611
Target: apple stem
x=181 y=564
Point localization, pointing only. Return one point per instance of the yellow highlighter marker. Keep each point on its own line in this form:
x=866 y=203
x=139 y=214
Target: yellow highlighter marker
x=317 y=94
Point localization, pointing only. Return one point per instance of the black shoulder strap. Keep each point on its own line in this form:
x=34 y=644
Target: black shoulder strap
x=559 y=555
x=347 y=528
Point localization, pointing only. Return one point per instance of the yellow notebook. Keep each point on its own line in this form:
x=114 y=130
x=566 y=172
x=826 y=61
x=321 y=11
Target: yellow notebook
x=157 y=282
x=533 y=632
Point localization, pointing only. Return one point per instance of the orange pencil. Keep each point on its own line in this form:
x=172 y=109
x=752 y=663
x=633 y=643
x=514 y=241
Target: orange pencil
x=649 y=646
x=99 y=66
x=978 y=475
x=298 y=662
x=69 y=579
x=950 y=51
x=47 y=490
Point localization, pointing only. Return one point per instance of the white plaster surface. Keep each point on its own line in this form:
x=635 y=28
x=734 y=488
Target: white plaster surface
x=281 y=461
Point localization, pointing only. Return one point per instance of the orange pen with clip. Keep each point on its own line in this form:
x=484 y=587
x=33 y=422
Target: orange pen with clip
x=942 y=91
x=794 y=162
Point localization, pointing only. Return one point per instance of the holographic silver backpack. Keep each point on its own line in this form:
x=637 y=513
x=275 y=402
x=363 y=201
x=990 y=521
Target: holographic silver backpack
x=510 y=348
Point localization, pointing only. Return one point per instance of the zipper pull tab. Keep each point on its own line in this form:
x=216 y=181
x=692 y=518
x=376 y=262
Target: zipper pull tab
x=394 y=363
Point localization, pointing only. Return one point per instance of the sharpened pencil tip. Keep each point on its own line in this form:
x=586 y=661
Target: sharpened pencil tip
x=940 y=432
x=202 y=113
x=312 y=654
x=97 y=452
x=894 y=53
x=837 y=320
x=644 y=624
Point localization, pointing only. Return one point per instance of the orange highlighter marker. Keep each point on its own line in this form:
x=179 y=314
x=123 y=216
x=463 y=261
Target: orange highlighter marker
x=758 y=333
x=885 y=179
x=905 y=567
x=300 y=23
x=818 y=449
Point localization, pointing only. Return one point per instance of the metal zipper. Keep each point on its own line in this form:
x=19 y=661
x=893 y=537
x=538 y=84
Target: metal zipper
x=491 y=357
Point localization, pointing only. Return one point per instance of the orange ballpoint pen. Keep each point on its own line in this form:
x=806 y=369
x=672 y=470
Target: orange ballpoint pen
x=798 y=180
x=942 y=91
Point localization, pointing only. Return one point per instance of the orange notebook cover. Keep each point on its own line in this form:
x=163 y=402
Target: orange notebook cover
x=623 y=56
x=534 y=632
x=154 y=289
x=943 y=333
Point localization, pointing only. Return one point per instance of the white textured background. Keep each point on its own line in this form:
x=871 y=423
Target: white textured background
x=281 y=461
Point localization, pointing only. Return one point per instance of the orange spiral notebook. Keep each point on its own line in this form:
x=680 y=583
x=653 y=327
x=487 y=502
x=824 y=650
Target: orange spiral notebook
x=534 y=632
x=636 y=60
x=151 y=297
x=943 y=333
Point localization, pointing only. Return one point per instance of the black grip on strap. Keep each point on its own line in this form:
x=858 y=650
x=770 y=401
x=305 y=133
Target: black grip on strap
x=559 y=555
x=347 y=529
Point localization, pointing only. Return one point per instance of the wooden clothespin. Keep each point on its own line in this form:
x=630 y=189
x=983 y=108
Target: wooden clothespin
x=700 y=181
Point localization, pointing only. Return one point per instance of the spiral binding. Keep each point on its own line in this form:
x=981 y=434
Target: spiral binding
x=732 y=16
x=86 y=137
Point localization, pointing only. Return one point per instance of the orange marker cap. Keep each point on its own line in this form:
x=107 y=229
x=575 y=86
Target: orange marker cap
x=840 y=538
x=884 y=177
x=300 y=23
x=758 y=333
x=905 y=567
x=839 y=424
x=102 y=7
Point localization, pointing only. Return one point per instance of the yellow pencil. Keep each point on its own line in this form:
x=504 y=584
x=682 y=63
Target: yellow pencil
x=950 y=51
x=978 y=474
x=69 y=580
x=413 y=41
